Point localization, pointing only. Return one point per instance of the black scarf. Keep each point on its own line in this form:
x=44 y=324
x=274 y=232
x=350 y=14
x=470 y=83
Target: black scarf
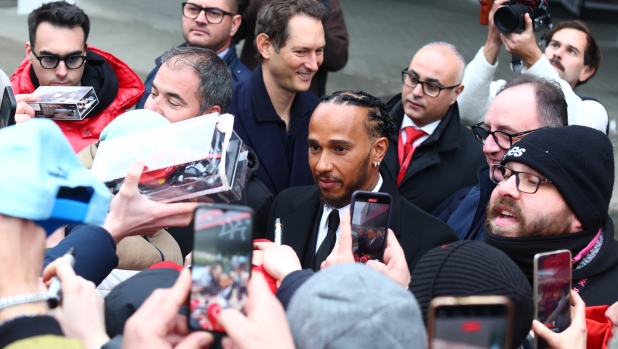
x=99 y=74
x=522 y=250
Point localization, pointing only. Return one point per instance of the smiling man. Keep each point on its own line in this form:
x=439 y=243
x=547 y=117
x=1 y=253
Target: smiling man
x=58 y=55
x=571 y=58
x=208 y=24
x=273 y=107
x=554 y=188
x=349 y=133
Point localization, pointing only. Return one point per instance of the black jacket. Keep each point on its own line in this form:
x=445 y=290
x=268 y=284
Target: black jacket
x=444 y=163
x=299 y=208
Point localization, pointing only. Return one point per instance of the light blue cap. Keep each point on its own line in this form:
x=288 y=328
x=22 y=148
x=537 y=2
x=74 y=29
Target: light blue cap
x=41 y=178
x=131 y=122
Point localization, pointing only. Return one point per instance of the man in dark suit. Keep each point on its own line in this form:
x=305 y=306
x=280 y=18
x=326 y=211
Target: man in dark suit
x=345 y=154
x=273 y=106
x=373 y=245
x=435 y=154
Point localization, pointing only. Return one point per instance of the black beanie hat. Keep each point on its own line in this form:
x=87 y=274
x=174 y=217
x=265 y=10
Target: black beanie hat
x=469 y=268
x=579 y=161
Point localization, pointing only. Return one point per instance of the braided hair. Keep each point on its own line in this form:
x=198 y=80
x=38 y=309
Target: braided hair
x=378 y=123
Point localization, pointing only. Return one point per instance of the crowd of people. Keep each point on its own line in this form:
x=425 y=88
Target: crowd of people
x=483 y=175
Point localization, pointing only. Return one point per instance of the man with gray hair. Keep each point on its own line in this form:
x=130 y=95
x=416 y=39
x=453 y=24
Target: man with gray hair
x=434 y=155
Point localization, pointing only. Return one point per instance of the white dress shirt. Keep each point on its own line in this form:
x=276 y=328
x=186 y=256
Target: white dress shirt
x=222 y=54
x=323 y=228
x=429 y=129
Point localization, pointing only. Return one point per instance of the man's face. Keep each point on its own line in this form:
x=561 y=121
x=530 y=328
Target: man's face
x=512 y=213
x=371 y=234
x=58 y=41
x=339 y=152
x=216 y=37
x=566 y=52
x=293 y=67
x=513 y=110
x=440 y=67
x=174 y=93
x=224 y=281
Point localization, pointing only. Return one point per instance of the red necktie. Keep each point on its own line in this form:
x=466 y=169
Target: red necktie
x=406 y=150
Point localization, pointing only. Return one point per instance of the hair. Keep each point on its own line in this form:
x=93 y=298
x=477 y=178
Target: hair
x=215 y=87
x=550 y=101
x=274 y=17
x=59 y=14
x=458 y=55
x=233 y=5
x=592 y=56
x=378 y=123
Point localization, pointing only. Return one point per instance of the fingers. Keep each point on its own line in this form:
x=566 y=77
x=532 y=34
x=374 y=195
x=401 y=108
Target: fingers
x=195 y=340
x=542 y=331
x=579 y=307
x=61 y=268
x=379 y=266
x=345 y=233
x=263 y=245
x=236 y=325
x=132 y=178
x=26 y=98
x=180 y=290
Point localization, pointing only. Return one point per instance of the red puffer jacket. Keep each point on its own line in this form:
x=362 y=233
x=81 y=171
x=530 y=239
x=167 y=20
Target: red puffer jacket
x=85 y=132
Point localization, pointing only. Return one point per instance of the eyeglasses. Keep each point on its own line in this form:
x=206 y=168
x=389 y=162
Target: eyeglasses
x=526 y=182
x=503 y=139
x=429 y=88
x=214 y=15
x=52 y=61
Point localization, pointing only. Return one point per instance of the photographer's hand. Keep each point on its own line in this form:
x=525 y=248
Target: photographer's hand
x=342 y=253
x=24 y=111
x=523 y=45
x=494 y=42
x=280 y=261
x=395 y=265
x=575 y=336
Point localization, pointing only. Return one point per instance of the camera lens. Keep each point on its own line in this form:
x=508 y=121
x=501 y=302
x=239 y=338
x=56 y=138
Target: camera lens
x=510 y=18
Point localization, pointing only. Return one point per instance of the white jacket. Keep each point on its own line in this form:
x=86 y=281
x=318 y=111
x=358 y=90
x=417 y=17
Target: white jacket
x=480 y=91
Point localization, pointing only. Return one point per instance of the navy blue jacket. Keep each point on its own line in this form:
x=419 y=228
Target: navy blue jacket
x=95 y=252
x=468 y=219
x=238 y=69
x=260 y=127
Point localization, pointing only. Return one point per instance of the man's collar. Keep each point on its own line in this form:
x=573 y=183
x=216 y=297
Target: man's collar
x=223 y=53
x=429 y=128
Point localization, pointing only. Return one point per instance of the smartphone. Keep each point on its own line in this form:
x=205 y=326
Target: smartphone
x=8 y=108
x=371 y=214
x=552 y=287
x=474 y=322
x=221 y=263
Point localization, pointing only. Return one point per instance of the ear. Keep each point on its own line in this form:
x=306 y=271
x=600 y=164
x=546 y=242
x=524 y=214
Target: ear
x=213 y=109
x=456 y=92
x=28 y=52
x=576 y=225
x=236 y=20
x=263 y=44
x=379 y=149
x=586 y=73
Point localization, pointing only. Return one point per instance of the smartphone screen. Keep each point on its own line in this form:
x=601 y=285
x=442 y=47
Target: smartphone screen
x=7 y=108
x=370 y=214
x=221 y=263
x=552 y=285
x=480 y=326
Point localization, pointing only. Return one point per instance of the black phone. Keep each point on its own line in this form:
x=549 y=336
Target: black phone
x=370 y=214
x=470 y=322
x=8 y=108
x=221 y=263
x=552 y=287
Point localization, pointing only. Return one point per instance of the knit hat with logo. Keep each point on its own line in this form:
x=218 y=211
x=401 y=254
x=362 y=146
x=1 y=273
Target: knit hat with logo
x=578 y=160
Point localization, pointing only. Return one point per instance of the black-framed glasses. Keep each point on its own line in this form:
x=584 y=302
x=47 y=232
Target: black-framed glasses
x=429 y=88
x=52 y=61
x=214 y=15
x=503 y=139
x=526 y=182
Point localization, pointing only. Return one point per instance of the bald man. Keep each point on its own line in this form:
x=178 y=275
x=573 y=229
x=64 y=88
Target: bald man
x=434 y=155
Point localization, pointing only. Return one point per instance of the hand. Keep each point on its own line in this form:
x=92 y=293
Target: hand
x=131 y=213
x=189 y=259
x=257 y=257
x=82 y=312
x=265 y=325
x=523 y=45
x=342 y=253
x=494 y=42
x=24 y=111
x=280 y=261
x=396 y=267
x=157 y=324
x=574 y=337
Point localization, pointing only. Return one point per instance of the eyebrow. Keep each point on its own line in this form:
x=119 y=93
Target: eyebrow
x=432 y=80
x=74 y=53
x=333 y=142
x=170 y=94
x=569 y=46
x=501 y=128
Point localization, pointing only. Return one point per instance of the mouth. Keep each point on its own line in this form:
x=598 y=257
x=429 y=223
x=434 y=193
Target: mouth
x=305 y=76
x=414 y=105
x=65 y=83
x=505 y=217
x=557 y=65
x=325 y=183
x=199 y=31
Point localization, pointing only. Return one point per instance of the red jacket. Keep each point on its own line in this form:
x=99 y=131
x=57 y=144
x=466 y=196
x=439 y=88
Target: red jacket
x=85 y=132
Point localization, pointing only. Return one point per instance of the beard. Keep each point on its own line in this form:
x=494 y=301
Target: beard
x=344 y=199
x=541 y=225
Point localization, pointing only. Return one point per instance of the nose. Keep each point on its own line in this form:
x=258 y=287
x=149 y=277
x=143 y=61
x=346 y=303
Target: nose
x=508 y=187
x=61 y=70
x=313 y=62
x=418 y=90
x=201 y=17
x=324 y=164
x=490 y=146
x=152 y=103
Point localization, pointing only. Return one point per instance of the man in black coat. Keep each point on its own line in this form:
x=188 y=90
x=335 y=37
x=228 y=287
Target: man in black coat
x=344 y=155
x=434 y=155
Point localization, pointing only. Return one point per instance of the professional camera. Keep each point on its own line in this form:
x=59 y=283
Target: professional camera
x=511 y=17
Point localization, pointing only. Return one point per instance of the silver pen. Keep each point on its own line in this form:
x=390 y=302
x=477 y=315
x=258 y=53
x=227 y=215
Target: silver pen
x=54 y=293
x=278 y=228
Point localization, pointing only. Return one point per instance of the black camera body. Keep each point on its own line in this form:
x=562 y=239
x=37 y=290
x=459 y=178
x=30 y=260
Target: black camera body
x=511 y=17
